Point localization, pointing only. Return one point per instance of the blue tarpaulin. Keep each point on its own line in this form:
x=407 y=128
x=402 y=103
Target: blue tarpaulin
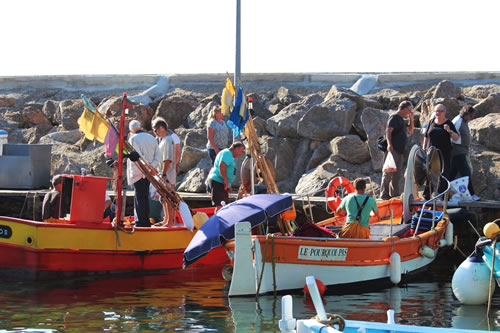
x=254 y=209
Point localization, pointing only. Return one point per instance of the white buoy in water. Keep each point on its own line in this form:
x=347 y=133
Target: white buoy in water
x=448 y=235
x=427 y=252
x=187 y=219
x=471 y=281
x=395 y=267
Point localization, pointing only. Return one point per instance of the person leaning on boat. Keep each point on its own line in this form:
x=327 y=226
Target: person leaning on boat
x=51 y=201
x=222 y=174
x=145 y=144
x=358 y=206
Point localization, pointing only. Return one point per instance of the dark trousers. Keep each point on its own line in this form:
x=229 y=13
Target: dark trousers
x=390 y=180
x=212 y=155
x=141 y=202
x=460 y=165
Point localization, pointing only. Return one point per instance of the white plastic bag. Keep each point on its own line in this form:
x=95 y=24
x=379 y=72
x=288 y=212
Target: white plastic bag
x=389 y=164
x=460 y=189
x=153 y=193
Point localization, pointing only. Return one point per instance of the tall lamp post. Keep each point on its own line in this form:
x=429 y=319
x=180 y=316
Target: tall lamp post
x=237 y=69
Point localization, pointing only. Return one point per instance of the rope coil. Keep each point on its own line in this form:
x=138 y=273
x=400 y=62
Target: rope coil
x=333 y=320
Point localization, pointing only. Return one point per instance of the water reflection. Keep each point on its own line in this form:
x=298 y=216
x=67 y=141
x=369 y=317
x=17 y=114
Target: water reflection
x=195 y=300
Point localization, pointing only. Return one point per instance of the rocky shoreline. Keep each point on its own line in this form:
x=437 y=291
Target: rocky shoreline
x=311 y=131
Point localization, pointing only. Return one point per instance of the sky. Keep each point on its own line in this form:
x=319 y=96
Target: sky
x=66 y=37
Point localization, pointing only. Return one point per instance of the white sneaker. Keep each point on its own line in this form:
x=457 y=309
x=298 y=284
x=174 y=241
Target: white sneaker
x=475 y=198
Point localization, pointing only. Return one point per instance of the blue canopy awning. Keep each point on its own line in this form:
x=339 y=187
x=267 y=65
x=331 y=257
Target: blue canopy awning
x=254 y=209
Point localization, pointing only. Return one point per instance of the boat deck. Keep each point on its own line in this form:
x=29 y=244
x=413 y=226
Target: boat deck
x=205 y=197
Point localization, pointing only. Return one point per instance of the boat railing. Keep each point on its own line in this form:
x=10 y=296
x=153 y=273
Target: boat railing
x=433 y=200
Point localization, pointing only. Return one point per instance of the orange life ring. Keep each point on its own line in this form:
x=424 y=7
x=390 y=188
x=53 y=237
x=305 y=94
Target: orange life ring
x=334 y=195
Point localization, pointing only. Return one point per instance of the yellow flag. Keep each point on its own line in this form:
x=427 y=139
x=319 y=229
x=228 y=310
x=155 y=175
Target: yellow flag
x=93 y=125
x=100 y=127
x=227 y=97
x=85 y=122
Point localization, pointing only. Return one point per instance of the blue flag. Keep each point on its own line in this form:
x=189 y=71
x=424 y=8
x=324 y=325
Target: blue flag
x=239 y=115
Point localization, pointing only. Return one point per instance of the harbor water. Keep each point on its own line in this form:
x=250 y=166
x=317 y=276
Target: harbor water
x=195 y=300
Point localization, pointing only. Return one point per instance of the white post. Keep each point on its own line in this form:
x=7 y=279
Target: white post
x=390 y=317
x=287 y=322
x=313 y=291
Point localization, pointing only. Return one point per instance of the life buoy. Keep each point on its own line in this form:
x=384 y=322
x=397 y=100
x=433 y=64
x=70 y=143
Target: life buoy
x=334 y=193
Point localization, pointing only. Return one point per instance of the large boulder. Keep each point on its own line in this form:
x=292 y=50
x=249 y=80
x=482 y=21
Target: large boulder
x=196 y=138
x=29 y=135
x=175 y=110
x=286 y=97
x=331 y=118
x=190 y=157
x=194 y=179
x=198 y=117
x=490 y=104
x=351 y=149
x=49 y=109
x=375 y=122
x=111 y=108
x=338 y=93
x=69 y=112
x=6 y=101
x=486 y=173
x=32 y=115
x=284 y=124
x=486 y=131
x=67 y=137
x=446 y=89
x=319 y=155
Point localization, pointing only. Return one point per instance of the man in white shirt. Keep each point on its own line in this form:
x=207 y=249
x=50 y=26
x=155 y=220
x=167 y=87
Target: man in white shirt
x=167 y=165
x=147 y=147
x=177 y=145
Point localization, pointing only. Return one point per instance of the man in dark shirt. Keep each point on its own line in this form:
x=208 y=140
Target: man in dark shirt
x=396 y=142
x=52 y=200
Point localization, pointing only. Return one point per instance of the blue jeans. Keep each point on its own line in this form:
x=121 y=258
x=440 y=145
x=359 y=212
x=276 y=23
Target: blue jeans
x=460 y=165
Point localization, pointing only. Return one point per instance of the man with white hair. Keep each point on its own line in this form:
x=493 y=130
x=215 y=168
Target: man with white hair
x=147 y=147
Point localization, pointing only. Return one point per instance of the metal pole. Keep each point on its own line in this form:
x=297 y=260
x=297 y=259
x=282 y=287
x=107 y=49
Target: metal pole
x=237 y=69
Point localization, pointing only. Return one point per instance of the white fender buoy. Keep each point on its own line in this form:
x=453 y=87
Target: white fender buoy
x=471 y=280
x=448 y=235
x=395 y=267
x=187 y=219
x=426 y=252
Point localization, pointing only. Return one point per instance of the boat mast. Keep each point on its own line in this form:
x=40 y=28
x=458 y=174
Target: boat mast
x=119 y=178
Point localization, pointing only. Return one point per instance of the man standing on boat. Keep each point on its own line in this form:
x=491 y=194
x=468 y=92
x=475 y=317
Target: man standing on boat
x=51 y=201
x=147 y=147
x=358 y=206
x=223 y=173
x=167 y=166
x=396 y=137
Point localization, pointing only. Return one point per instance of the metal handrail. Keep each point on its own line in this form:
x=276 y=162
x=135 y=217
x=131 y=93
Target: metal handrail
x=445 y=193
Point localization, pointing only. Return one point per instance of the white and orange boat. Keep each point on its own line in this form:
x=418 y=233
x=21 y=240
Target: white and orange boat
x=82 y=243
x=278 y=262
